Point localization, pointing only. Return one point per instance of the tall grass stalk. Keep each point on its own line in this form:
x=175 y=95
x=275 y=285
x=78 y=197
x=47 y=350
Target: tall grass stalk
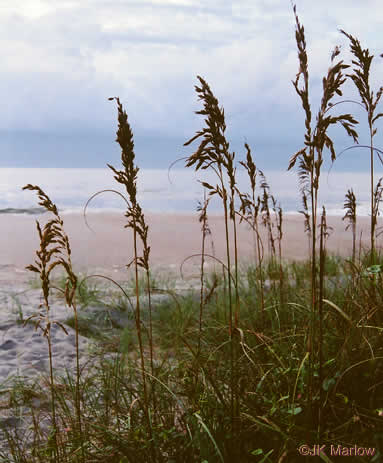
x=213 y=152
x=350 y=215
x=249 y=211
x=311 y=156
x=205 y=231
x=377 y=199
x=136 y=221
x=265 y=213
x=248 y=206
x=53 y=243
x=269 y=224
x=361 y=79
x=307 y=222
x=322 y=261
x=279 y=224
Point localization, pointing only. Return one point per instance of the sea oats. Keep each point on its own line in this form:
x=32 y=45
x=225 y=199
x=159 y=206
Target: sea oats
x=361 y=79
x=55 y=251
x=311 y=156
x=350 y=215
x=136 y=221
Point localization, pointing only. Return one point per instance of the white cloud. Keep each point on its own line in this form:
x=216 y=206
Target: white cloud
x=62 y=59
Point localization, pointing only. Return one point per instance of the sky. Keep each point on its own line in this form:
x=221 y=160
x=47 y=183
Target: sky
x=62 y=59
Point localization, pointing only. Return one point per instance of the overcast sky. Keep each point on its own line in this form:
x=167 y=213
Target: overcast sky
x=62 y=59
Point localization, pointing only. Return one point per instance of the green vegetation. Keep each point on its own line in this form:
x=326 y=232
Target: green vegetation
x=256 y=363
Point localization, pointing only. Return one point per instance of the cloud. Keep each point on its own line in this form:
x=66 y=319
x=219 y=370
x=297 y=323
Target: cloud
x=62 y=59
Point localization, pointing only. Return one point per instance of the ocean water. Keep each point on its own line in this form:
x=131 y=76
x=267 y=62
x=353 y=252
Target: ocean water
x=177 y=191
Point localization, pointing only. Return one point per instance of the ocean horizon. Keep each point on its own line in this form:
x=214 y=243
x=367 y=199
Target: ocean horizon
x=163 y=191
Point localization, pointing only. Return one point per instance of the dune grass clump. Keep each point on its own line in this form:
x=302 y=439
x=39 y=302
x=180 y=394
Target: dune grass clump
x=255 y=363
x=55 y=251
x=310 y=158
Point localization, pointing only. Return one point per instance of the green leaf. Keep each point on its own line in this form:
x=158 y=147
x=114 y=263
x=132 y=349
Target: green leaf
x=329 y=362
x=374 y=269
x=328 y=383
x=294 y=410
x=334 y=306
x=257 y=452
x=209 y=434
x=266 y=456
x=342 y=396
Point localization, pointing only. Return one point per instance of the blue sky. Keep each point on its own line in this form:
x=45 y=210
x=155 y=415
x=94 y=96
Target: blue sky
x=62 y=59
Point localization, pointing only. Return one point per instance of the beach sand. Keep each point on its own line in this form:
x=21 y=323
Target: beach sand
x=172 y=238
